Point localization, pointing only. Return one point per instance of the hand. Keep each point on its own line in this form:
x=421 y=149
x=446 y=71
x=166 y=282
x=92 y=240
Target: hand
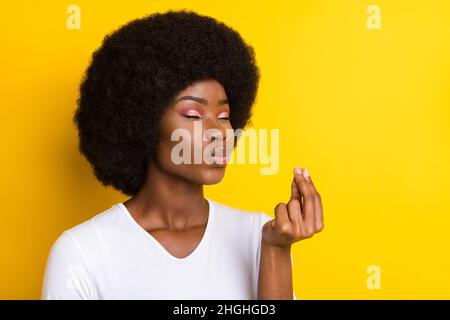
x=300 y=219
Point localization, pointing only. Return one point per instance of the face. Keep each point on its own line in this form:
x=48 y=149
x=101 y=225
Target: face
x=195 y=126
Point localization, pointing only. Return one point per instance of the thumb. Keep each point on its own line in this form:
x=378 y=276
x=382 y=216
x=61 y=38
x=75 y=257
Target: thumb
x=295 y=193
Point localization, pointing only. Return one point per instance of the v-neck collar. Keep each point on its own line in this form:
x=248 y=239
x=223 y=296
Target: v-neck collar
x=201 y=244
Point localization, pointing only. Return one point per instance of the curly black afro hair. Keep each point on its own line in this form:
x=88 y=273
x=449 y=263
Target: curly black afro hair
x=137 y=72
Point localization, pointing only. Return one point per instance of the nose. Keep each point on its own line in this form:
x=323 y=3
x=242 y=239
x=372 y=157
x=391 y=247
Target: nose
x=214 y=130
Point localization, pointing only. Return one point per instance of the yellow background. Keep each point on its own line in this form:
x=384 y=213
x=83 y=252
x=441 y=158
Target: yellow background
x=366 y=111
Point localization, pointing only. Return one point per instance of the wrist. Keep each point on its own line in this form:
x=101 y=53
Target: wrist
x=276 y=247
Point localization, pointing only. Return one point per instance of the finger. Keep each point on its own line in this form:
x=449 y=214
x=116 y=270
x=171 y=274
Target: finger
x=308 y=202
x=317 y=205
x=319 y=213
x=295 y=214
x=295 y=204
x=310 y=181
x=295 y=193
x=281 y=221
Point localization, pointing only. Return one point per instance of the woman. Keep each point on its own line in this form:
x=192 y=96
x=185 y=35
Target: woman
x=150 y=78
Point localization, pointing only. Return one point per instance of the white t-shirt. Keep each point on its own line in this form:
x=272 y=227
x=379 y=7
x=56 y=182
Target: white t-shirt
x=110 y=256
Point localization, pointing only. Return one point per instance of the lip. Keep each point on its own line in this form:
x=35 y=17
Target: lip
x=220 y=159
x=221 y=156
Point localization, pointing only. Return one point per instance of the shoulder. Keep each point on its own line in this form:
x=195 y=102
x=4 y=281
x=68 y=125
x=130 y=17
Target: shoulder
x=76 y=240
x=67 y=273
x=233 y=215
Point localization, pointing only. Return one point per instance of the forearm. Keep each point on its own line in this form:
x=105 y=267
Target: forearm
x=275 y=273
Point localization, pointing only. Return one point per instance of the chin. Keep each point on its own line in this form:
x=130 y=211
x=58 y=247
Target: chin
x=212 y=174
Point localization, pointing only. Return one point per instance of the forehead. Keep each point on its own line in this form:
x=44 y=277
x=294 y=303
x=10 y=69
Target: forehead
x=204 y=88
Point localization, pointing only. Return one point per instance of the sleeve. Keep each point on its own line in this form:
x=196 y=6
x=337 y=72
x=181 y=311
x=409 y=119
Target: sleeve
x=264 y=217
x=66 y=275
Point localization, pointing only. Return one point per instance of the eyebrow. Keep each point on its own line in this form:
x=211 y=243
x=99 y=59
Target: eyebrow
x=201 y=100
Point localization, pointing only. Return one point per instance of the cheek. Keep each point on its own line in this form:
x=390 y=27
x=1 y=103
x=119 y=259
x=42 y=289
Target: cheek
x=173 y=143
x=200 y=173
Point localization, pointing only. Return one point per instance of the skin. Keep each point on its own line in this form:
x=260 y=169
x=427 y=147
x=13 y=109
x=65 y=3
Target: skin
x=299 y=219
x=171 y=204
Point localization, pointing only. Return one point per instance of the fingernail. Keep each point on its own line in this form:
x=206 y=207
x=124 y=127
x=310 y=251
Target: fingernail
x=306 y=173
x=298 y=170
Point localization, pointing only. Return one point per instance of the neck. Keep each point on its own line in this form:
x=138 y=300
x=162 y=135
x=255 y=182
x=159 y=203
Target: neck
x=168 y=201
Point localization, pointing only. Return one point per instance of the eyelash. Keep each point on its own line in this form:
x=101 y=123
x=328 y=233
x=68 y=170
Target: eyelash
x=197 y=117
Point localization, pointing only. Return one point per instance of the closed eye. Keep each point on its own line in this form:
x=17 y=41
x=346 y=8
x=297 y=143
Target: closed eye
x=191 y=117
x=197 y=117
x=224 y=115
